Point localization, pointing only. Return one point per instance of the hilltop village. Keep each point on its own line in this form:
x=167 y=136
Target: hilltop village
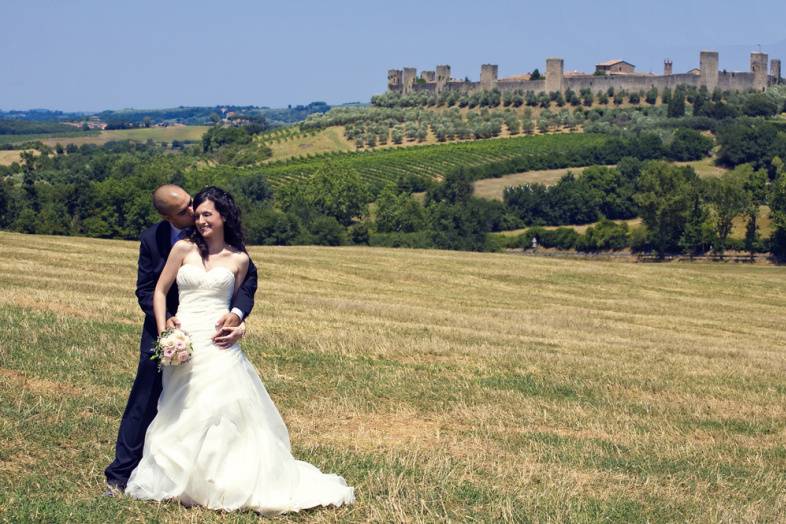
x=618 y=74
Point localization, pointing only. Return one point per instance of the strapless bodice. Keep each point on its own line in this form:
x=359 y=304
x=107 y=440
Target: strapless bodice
x=204 y=291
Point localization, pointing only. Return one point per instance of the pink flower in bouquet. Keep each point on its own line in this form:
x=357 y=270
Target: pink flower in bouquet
x=173 y=348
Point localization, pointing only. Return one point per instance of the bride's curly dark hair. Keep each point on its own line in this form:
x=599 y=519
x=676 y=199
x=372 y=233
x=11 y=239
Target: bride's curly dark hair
x=226 y=207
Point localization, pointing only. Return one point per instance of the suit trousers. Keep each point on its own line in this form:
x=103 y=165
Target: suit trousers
x=140 y=411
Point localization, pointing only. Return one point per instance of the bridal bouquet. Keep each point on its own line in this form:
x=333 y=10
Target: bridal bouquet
x=173 y=347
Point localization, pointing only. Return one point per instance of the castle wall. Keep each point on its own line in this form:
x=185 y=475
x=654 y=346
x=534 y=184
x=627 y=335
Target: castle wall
x=404 y=81
x=735 y=81
x=428 y=86
x=463 y=87
x=525 y=85
x=629 y=82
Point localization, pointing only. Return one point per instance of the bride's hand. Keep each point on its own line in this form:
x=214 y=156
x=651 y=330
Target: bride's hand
x=172 y=323
x=227 y=336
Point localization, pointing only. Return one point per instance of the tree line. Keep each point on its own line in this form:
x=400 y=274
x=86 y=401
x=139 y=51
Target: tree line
x=367 y=198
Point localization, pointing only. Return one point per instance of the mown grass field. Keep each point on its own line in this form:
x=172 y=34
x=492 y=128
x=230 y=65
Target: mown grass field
x=9 y=157
x=158 y=134
x=442 y=385
x=62 y=137
x=494 y=188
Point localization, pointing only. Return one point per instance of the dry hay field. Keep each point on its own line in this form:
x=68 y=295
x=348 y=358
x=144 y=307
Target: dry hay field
x=157 y=134
x=443 y=385
x=494 y=188
x=9 y=157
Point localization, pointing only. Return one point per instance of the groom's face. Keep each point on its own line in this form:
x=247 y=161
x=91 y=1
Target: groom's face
x=182 y=211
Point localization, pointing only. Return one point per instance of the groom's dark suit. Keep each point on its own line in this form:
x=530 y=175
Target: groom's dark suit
x=154 y=248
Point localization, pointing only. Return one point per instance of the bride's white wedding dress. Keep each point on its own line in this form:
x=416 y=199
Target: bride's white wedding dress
x=218 y=440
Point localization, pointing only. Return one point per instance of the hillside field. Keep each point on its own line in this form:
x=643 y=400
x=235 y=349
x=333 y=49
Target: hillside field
x=443 y=385
x=323 y=141
x=494 y=188
x=435 y=161
x=158 y=134
x=9 y=157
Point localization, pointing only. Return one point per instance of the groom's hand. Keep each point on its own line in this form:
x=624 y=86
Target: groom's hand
x=229 y=336
x=227 y=330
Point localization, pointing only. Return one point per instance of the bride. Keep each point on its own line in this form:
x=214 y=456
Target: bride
x=218 y=439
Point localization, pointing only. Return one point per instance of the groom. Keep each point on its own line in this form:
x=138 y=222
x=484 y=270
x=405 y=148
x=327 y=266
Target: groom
x=176 y=208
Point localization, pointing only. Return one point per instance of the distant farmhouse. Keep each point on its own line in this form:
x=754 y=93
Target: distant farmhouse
x=612 y=73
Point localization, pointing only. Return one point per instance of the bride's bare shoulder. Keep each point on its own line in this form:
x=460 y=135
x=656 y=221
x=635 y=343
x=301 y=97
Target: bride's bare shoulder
x=240 y=257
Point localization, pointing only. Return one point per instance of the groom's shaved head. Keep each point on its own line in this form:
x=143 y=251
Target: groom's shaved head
x=174 y=205
x=169 y=198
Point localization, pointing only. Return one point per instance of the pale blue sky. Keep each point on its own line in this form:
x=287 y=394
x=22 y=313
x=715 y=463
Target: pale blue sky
x=106 y=54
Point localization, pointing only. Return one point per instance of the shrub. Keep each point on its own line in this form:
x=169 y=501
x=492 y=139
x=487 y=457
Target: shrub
x=759 y=104
x=326 y=231
x=604 y=236
x=359 y=233
x=689 y=145
x=270 y=227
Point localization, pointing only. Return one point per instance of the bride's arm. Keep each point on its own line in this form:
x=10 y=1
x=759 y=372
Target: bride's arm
x=165 y=281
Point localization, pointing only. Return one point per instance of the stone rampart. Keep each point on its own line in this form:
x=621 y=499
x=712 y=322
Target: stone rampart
x=734 y=81
x=709 y=76
x=629 y=82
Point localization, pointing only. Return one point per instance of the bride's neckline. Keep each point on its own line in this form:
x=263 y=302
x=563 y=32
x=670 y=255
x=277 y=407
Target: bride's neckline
x=207 y=270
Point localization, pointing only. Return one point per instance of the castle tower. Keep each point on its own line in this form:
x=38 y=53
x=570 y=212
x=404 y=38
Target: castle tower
x=554 y=74
x=759 y=70
x=427 y=76
x=667 y=67
x=775 y=70
x=408 y=79
x=708 y=65
x=394 y=79
x=443 y=77
x=488 y=76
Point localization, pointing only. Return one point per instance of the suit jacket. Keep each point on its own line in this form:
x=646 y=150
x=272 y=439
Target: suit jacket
x=154 y=248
